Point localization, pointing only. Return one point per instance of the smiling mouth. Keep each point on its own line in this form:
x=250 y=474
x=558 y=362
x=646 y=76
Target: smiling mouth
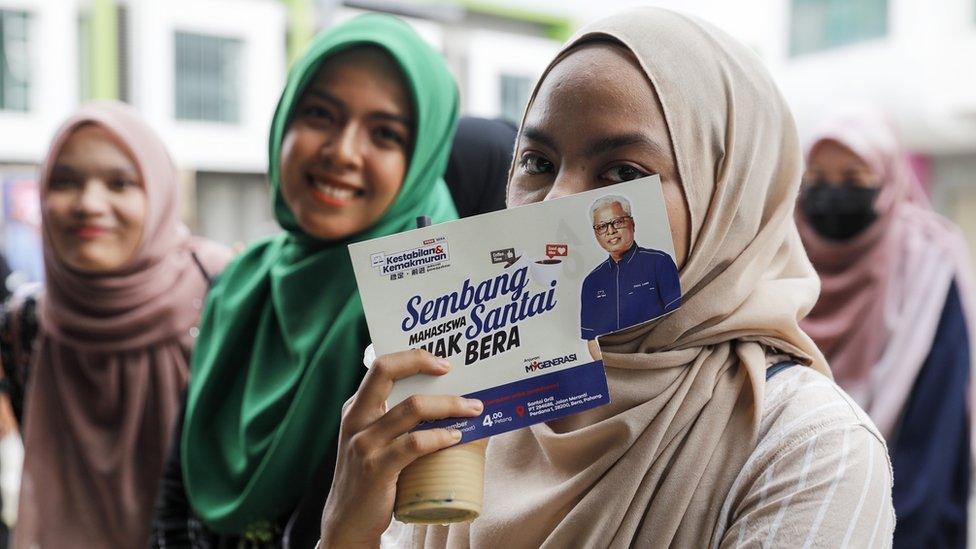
x=333 y=193
x=614 y=240
x=88 y=232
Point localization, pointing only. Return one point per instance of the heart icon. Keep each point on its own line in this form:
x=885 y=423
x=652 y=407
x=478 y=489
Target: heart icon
x=520 y=410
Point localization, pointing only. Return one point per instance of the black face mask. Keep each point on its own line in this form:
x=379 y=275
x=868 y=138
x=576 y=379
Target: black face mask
x=839 y=212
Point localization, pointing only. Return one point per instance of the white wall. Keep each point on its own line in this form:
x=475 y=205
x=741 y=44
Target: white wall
x=922 y=73
x=489 y=55
x=430 y=31
x=479 y=57
x=261 y=26
x=53 y=42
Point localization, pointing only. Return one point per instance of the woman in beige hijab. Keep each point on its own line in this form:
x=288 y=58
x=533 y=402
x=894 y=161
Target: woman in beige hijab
x=701 y=446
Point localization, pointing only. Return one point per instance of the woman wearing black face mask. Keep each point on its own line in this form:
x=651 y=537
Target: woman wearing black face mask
x=839 y=210
x=894 y=317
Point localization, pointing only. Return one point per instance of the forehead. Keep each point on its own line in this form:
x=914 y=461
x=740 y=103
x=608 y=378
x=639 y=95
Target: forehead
x=91 y=144
x=363 y=65
x=829 y=153
x=604 y=88
x=609 y=211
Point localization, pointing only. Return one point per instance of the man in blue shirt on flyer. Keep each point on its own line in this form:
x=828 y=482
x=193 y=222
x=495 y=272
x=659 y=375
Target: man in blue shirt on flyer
x=634 y=284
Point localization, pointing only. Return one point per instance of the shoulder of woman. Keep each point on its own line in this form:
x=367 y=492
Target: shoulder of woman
x=217 y=258
x=810 y=424
x=820 y=473
x=932 y=227
x=801 y=403
x=212 y=256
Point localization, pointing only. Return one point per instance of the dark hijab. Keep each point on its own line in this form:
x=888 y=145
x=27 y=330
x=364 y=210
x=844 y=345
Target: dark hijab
x=477 y=170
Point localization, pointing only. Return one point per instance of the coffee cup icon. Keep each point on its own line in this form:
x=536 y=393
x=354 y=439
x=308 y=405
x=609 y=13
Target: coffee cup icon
x=545 y=271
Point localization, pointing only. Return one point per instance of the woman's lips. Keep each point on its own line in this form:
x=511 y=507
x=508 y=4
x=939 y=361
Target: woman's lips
x=333 y=193
x=88 y=232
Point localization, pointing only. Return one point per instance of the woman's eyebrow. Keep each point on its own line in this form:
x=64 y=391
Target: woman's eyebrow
x=608 y=143
x=327 y=97
x=66 y=170
x=535 y=134
x=341 y=105
x=63 y=169
x=392 y=117
x=123 y=172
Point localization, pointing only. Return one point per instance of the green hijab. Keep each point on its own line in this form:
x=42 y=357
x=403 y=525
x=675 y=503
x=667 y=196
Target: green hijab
x=282 y=336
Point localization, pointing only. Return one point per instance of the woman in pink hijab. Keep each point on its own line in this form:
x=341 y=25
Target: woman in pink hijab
x=894 y=316
x=97 y=361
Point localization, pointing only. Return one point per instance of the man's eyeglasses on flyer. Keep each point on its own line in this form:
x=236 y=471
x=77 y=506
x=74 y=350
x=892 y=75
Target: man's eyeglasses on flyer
x=617 y=223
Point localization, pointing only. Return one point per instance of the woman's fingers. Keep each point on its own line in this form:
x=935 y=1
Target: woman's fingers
x=410 y=446
x=368 y=404
x=409 y=413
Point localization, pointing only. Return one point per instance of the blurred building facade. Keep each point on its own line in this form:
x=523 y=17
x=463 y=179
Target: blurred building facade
x=914 y=59
x=207 y=74
x=204 y=73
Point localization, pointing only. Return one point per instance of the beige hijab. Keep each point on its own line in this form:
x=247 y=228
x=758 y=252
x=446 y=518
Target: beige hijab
x=652 y=468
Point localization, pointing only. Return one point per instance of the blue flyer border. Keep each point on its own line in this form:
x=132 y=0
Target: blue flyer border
x=534 y=400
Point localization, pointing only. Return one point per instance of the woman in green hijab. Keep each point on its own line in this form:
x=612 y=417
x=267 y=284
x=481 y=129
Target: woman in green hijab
x=359 y=142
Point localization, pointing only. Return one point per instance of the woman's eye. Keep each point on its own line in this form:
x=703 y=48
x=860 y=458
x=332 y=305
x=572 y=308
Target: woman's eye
x=533 y=164
x=122 y=184
x=317 y=114
x=63 y=184
x=623 y=172
x=389 y=135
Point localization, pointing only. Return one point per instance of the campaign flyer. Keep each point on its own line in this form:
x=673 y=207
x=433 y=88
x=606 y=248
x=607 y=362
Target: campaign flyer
x=516 y=299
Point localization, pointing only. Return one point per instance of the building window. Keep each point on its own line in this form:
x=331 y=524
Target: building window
x=515 y=95
x=14 y=61
x=207 y=78
x=817 y=25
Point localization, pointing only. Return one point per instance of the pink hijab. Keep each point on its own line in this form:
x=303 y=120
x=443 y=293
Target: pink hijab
x=883 y=291
x=110 y=363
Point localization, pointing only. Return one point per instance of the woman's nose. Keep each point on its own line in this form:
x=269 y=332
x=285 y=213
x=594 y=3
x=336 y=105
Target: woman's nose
x=568 y=183
x=345 y=150
x=93 y=197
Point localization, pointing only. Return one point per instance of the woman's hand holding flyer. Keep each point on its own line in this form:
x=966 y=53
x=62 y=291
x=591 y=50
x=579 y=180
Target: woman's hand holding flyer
x=514 y=302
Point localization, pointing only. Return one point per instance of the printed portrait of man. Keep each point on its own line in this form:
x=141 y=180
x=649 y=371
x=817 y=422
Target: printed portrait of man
x=633 y=284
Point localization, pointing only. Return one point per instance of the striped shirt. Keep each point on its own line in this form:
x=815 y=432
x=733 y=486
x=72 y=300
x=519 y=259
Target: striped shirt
x=819 y=476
